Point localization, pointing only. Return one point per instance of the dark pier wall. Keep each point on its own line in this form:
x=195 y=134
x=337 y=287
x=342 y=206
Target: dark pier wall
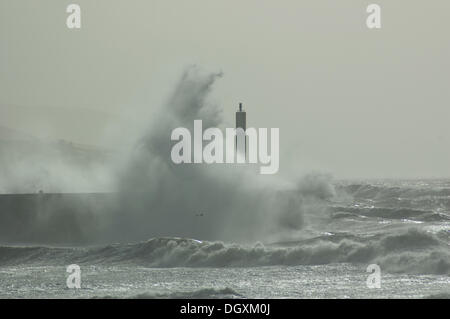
x=63 y=219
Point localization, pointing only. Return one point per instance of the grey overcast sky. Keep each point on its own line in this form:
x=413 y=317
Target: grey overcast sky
x=348 y=100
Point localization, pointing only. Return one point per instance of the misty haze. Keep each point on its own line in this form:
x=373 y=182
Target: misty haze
x=87 y=177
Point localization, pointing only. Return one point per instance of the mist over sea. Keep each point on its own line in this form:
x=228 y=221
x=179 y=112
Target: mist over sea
x=160 y=230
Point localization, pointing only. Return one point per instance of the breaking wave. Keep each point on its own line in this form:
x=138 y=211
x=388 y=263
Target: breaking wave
x=381 y=191
x=203 y=293
x=389 y=213
x=156 y=197
x=412 y=251
x=409 y=196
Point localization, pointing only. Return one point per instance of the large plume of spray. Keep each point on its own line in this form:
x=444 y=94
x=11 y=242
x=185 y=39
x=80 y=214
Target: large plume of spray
x=218 y=202
x=155 y=197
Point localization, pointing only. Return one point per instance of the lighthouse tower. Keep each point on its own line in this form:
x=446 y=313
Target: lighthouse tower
x=241 y=139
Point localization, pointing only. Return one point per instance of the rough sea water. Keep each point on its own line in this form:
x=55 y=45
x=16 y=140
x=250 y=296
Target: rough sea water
x=225 y=232
x=404 y=227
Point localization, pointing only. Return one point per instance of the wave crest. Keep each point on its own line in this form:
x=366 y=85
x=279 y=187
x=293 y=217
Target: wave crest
x=412 y=251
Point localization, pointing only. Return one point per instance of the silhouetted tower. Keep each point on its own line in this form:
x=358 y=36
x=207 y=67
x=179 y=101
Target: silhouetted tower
x=240 y=136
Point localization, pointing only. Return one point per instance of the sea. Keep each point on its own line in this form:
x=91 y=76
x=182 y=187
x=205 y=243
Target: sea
x=400 y=227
